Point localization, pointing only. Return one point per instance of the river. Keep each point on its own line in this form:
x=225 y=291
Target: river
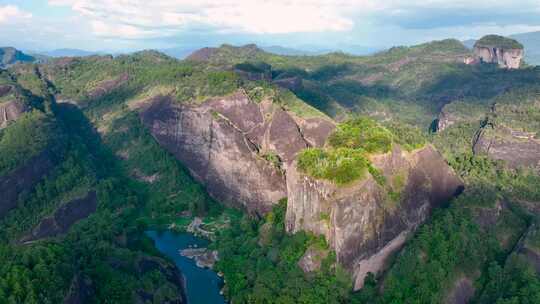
x=203 y=285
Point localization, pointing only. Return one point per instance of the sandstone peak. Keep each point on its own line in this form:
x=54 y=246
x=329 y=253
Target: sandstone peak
x=506 y=52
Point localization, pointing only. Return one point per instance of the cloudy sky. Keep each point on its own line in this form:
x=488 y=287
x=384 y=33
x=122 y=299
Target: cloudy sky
x=121 y=25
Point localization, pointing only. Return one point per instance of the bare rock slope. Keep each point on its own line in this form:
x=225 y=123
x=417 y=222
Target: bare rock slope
x=244 y=153
x=516 y=148
x=505 y=52
x=237 y=148
x=360 y=221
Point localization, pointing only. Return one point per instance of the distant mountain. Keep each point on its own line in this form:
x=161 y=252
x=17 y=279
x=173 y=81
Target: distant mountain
x=178 y=52
x=469 y=43
x=10 y=55
x=531 y=42
x=70 y=53
x=280 y=50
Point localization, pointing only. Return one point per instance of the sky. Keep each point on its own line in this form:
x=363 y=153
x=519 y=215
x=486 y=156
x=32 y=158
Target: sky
x=127 y=25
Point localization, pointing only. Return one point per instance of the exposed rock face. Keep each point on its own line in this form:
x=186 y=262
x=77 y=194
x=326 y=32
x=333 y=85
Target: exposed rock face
x=11 y=111
x=518 y=149
x=312 y=259
x=108 y=86
x=203 y=257
x=65 y=217
x=9 y=56
x=505 y=52
x=360 y=222
x=23 y=179
x=445 y=120
x=223 y=142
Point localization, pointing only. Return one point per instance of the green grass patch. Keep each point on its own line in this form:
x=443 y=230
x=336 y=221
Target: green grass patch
x=498 y=41
x=362 y=133
x=341 y=166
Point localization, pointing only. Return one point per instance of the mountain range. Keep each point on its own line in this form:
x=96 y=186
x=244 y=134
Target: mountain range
x=408 y=175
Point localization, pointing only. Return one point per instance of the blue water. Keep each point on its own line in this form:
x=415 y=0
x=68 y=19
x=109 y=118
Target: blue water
x=203 y=285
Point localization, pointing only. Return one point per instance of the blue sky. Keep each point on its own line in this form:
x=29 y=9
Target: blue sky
x=124 y=25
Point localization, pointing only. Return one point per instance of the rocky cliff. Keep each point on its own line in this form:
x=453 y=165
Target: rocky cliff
x=505 y=52
x=13 y=100
x=237 y=148
x=516 y=148
x=245 y=154
x=10 y=111
x=361 y=222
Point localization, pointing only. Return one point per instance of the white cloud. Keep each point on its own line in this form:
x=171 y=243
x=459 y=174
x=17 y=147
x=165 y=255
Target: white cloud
x=120 y=17
x=154 y=18
x=11 y=13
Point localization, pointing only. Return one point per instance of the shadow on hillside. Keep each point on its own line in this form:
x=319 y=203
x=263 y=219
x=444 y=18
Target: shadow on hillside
x=477 y=82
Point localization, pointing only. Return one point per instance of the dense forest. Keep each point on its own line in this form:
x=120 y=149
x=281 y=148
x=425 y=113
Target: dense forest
x=84 y=115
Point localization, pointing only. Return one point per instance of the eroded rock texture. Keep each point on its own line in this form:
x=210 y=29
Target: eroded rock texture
x=65 y=217
x=237 y=148
x=517 y=149
x=11 y=111
x=361 y=222
x=505 y=58
x=244 y=153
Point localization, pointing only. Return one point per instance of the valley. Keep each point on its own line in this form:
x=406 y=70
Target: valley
x=407 y=176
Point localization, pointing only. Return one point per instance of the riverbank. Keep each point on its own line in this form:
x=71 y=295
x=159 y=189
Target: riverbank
x=203 y=285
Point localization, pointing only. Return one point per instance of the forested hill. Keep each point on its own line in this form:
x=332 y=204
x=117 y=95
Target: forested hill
x=95 y=150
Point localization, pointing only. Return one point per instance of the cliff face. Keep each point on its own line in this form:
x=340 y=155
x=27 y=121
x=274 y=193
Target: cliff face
x=506 y=52
x=237 y=148
x=10 y=107
x=10 y=111
x=518 y=149
x=509 y=59
x=360 y=221
x=244 y=153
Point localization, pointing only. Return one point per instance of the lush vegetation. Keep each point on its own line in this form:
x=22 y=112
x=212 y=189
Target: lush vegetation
x=33 y=132
x=398 y=92
x=341 y=165
x=346 y=158
x=498 y=41
x=363 y=134
x=267 y=272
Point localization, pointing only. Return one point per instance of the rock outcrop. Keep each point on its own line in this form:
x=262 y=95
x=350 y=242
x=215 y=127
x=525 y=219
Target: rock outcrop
x=244 y=153
x=517 y=149
x=65 y=217
x=445 y=120
x=11 y=111
x=312 y=259
x=9 y=56
x=22 y=179
x=505 y=52
x=360 y=221
x=237 y=148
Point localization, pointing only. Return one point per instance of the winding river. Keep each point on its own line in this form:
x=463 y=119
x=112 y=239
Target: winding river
x=203 y=285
